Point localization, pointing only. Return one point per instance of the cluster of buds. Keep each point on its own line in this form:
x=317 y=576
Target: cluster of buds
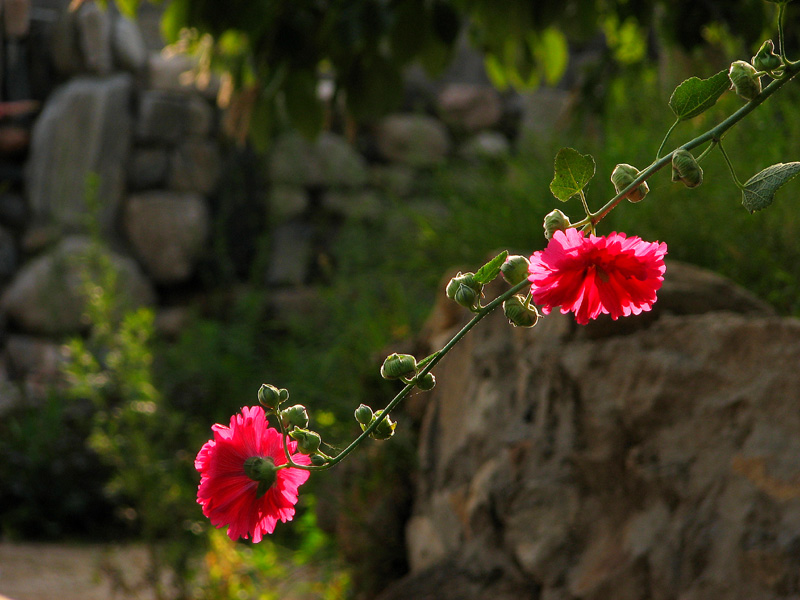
x=405 y=368
x=384 y=429
x=554 y=221
x=624 y=175
x=465 y=291
x=293 y=420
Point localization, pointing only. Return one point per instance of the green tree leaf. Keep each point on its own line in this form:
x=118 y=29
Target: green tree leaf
x=759 y=190
x=491 y=269
x=573 y=171
x=694 y=96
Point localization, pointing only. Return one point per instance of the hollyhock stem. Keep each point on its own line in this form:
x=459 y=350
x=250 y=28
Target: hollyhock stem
x=483 y=312
x=712 y=135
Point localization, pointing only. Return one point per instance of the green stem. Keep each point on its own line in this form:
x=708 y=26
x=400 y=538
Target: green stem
x=712 y=135
x=730 y=165
x=703 y=154
x=781 y=36
x=666 y=137
x=409 y=387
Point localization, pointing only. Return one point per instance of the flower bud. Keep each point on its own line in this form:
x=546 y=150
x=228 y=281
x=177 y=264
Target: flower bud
x=464 y=290
x=269 y=396
x=363 y=414
x=263 y=470
x=426 y=383
x=318 y=460
x=307 y=441
x=744 y=80
x=398 y=365
x=686 y=169
x=622 y=176
x=766 y=59
x=554 y=221
x=519 y=313
x=385 y=428
x=294 y=416
x=515 y=269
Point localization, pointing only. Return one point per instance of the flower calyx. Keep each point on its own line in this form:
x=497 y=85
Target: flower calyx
x=307 y=441
x=425 y=383
x=385 y=429
x=465 y=290
x=519 y=312
x=766 y=59
x=622 y=176
x=294 y=416
x=744 y=79
x=271 y=397
x=398 y=366
x=686 y=169
x=554 y=221
x=263 y=470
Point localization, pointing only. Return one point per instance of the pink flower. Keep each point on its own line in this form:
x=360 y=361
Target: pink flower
x=228 y=496
x=614 y=274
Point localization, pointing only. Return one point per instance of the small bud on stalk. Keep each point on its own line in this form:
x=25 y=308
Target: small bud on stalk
x=307 y=441
x=686 y=169
x=271 y=397
x=766 y=59
x=622 y=176
x=554 y=221
x=515 y=269
x=398 y=365
x=385 y=428
x=363 y=414
x=426 y=383
x=294 y=416
x=744 y=80
x=518 y=313
x=318 y=460
x=465 y=290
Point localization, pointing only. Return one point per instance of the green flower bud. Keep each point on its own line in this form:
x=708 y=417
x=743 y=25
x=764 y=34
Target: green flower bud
x=518 y=313
x=686 y=169
x=294 y=416
x=263 y=470
x=622 y=176
x=426 y=383
x=398 y=365
x=363 y=414
x=554 y=221
x=269 y=396
x=744 y=80
x=465 y=290
x=515 y=269
x=467 y=297
x=385 y=428
x=766 y=59
x=307 y=441
x=318 y=460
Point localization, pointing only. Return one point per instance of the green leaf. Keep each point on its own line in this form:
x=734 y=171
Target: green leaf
x=573 y=171
x=553 y=54
x=491 y=269
x=694 y=96
x=759 y=190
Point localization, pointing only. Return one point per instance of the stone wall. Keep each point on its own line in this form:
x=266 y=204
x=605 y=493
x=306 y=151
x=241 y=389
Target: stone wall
x=648 y=458
x=96 y=120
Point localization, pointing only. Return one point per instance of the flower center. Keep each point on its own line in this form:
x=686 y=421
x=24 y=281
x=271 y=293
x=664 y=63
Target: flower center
x=263 y=470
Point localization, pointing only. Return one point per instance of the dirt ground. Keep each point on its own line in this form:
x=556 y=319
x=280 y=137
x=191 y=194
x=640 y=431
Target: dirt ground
x=67 y=572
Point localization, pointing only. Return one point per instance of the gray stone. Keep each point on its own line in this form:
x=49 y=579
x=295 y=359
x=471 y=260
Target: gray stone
x=396 y=180
x=544 y=111
x=16 y=17
x=147 y=168
x=84 y=130
x=416 y=140
x=127 y=45
x=176 y=73
x=470 y=107
x=47 y=295
x=355 y=204
x=330 y=160
x=201 y=116
x=486 y=145
x=94 y=37
x=195 y=166
x=163 y=117
x=292 y=254
x=36 y=361
x=287 y=202
x=167 y=231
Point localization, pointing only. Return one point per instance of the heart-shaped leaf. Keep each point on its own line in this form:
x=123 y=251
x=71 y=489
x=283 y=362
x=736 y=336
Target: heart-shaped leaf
x=694 y=96
x=491 y=269
x=573 y=171
x=759 y=190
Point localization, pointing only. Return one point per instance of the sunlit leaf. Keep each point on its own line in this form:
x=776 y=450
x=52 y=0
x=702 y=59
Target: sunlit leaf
x=759 y=190
x=573 y=171
x=694 y=96
x=553 y=54
x=491 y=269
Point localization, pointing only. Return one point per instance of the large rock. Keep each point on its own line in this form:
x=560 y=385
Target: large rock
x=84 y=129
x=48 y=295
x=127 y=45
x=329 y=160
x=416 y=140
x=94 y=37
x=470 y=107
x=195 y=166
x=655 y=461
x=167 y=231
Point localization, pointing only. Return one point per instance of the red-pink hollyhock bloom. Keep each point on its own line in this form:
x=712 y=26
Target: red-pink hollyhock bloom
x=615 y=274
x=228 y=496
